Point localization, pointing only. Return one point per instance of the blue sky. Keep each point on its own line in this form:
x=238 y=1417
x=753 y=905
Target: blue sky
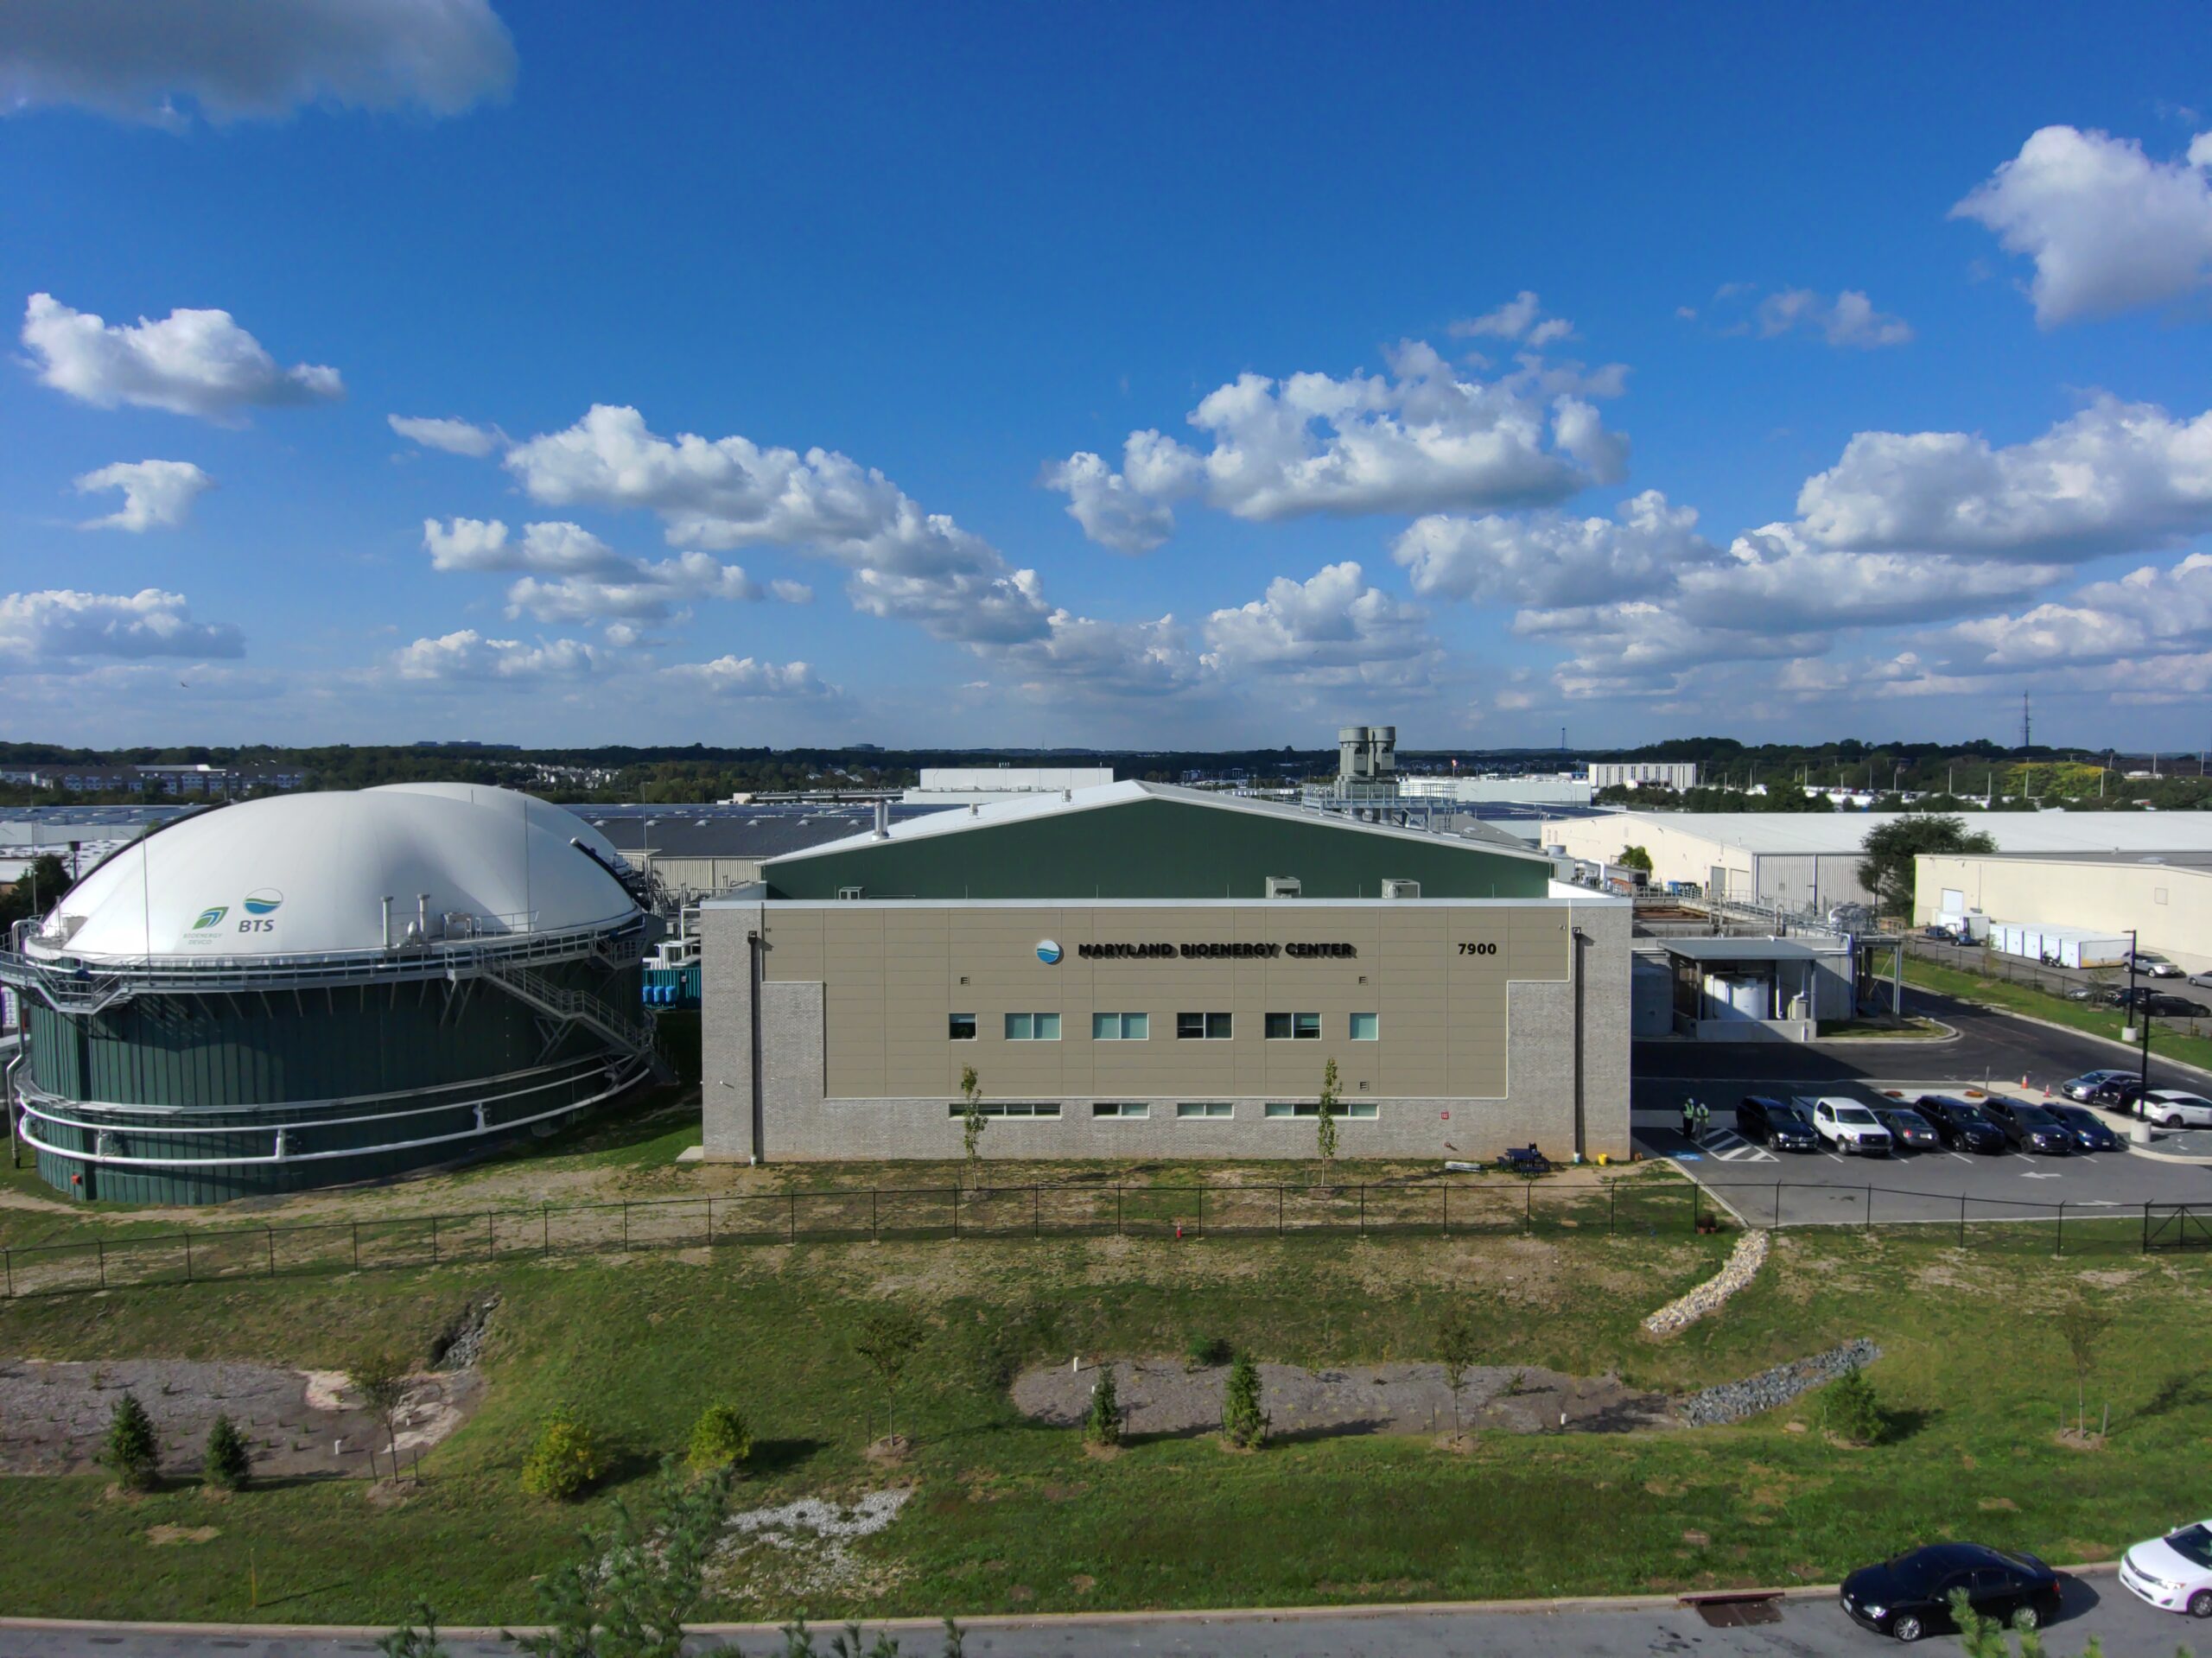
x=1073 y=375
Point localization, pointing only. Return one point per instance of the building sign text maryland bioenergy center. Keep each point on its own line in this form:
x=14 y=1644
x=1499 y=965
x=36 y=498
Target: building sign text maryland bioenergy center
x=1252 y=951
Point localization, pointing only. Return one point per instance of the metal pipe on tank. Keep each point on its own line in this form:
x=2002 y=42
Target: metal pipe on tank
x=387 y=921
x=422 y=915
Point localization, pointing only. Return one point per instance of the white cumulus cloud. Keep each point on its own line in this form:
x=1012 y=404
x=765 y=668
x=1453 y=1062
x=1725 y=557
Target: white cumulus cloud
x=234 y=59
x=2148 y=614
x=1520 y=318
x=727 y=493
x=1336 y=620
x=454 y=436
x=1547 y=558
x=189 y=363
x=466 y=655
x=1849 y=319
x=157 y=494
x=746 y=678
x=2109 y=228
x=58 y=625
x=2113 y=478
x=1419 y=439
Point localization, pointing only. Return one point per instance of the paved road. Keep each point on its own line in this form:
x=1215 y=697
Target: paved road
x=2095 y=1607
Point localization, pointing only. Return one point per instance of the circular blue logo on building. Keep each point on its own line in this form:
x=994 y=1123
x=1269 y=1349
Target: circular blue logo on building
x=1048 y=952
x=263 y=902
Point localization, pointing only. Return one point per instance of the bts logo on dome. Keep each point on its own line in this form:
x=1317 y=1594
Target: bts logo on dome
x=1048 y=952
x=263 y=902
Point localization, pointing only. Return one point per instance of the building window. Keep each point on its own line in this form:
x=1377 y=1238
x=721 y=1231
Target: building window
x=961 y=1027
x=1119 y=1027
x=1366 y=1027
x=1205 y=1108
x=1032 y=1027
x=1206 y=1027
x=1364 y=1109
x=1358 y=1108
x=1124 y=1108
x=1299 y=1027
x=1007 y=1109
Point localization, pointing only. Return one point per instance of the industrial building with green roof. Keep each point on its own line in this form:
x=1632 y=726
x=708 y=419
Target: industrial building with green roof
x=1133 y=969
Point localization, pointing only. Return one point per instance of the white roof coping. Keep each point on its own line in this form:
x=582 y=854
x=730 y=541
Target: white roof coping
x=957 y=821
x=1830 y=833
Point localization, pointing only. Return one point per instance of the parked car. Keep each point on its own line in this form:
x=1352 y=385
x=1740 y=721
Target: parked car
x=2120 y=1094
x=2091 y=1133
x=2149 y=962
x=1910 y=1596
x=1961 y=1125
x=2160 y=1004
x=2103 y=995
x=2079 y=1089
x=2172 y=1108
x=1848 y=1127
x=2173 y=1571
x=1775 y=1123
x=1942 y=935
x=1909 y=1130
x=2029 y=1127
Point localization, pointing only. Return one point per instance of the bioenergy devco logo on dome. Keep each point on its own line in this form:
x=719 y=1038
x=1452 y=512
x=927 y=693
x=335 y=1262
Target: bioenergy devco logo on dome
x=208 y=931
x=1048 y=952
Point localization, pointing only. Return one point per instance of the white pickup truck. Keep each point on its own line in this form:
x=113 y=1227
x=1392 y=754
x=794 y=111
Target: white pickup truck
x=1845 y=1126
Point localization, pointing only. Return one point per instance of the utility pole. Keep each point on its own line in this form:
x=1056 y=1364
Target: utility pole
x=2027 y=727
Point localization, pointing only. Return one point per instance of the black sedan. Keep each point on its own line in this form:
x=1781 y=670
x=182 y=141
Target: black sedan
x=1776 y=1123
x=2119 y=1095
x=2091 y=1133
x=1910 y=1596
x=1961 y=1125
x=2029 y=1127
x=1909 y=1130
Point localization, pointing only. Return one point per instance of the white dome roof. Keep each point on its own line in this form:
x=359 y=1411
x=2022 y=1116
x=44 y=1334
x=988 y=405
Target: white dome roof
x=308 y=874
x=558 y=821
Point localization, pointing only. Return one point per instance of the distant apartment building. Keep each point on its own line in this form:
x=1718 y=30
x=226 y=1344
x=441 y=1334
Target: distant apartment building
x=1637 y=774
x=197 y=782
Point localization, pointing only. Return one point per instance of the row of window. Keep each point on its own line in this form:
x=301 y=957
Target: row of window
x=1186 y=1109
x=1189 y=1027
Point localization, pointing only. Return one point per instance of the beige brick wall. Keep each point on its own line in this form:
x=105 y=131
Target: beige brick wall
x=1474 y=1005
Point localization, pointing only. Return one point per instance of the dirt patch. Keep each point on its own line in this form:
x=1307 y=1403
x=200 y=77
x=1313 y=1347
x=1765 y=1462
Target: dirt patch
x=296 y=1422
x=1998 y=1505
x=169 y=1536
x=1162 y=1397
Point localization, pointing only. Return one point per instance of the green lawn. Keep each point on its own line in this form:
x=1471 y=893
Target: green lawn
x=1009 y=1516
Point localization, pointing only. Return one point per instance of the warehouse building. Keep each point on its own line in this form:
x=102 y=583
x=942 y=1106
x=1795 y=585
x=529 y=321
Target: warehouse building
x=1135 y=969
x=1808 y=862
x=2164 y=898
x=1637 y=774
x=308 y=989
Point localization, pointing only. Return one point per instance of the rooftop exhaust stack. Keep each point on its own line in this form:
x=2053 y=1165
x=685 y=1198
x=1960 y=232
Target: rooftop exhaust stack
x=883 y=819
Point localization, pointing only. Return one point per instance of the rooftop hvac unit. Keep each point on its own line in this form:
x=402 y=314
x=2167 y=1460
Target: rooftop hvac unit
x=1284 y=886
x=1400 y=889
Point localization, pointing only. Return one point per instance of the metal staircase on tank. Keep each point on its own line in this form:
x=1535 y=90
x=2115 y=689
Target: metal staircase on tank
x=570 y=1006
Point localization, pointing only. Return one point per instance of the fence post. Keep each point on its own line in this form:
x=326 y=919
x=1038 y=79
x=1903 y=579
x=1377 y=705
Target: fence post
x=625 y=1223
x=1202 y=1209
x=544 y=1229
x=1446 y=1190
x=1529 y=1204
x=357 y=1248
x=1777 y=1205
x=1117 y=1210
x=790 y=1237
x=1870 y=1209
x=871 y=1214
x=1962 y=1220
x=2061 y=1226
x=2146 y=1233
x=956 y=1209
x=272 y=1251
x=1612 y=1196
x=188 y=1257
x=100 y=1244
x=1037 y=1210
x=1278 y=1211
x=710 y=1223
x=1697 y=1196
x=434 y=1240
x=1362 y=1209
x=8 y=1259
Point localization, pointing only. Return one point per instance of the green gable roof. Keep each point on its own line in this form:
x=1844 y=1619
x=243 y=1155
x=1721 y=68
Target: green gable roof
x=1138 y=841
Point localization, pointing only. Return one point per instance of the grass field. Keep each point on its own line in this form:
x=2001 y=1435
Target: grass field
x=1008 y=1517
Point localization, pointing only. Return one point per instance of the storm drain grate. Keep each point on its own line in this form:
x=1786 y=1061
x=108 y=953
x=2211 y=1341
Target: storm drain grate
x=1733 y=1612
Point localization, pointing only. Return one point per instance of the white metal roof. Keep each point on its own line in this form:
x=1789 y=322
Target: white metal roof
x=958 y=819
x=307 y=875
x=1798 y=833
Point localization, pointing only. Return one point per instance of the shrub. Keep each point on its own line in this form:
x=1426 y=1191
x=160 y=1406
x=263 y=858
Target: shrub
x=130 y=1448
x=565 y=1459
x=1201 y=1351
x=227 y=1462
x=1242 y=1423
x=1852 y=1410
x=720 y=1438
x=1103 y=1424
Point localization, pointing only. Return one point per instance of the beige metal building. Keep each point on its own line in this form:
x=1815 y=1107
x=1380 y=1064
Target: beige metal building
x=2164 y=898
x=1135 y=970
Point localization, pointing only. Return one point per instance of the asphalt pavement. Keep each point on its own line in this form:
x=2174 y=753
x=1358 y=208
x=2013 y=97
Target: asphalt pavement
x=1811 y=1627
